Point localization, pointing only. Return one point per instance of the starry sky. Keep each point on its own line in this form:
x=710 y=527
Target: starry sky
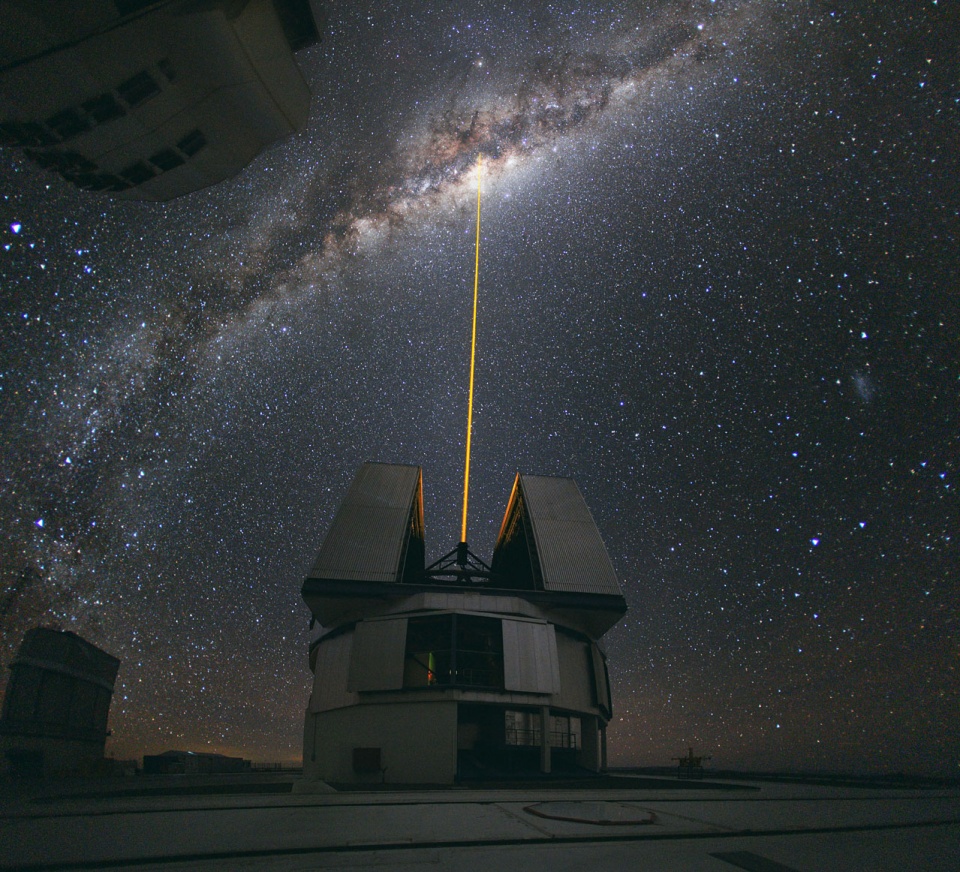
x=719 y=288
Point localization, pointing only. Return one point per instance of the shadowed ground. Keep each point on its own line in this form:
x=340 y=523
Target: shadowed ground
x=256 y=822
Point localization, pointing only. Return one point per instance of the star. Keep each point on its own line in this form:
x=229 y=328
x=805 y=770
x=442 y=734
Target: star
x=723 y=228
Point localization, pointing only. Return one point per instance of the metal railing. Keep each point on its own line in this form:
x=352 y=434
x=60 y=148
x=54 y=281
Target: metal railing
x=555 y=738
x=462 y=668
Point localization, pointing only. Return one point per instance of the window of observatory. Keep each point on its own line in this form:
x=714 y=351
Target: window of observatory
x=428 y=651
x=454 y=651
x=525 y=728
x=479 y=650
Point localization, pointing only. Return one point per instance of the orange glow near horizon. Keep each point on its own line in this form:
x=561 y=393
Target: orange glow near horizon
x=473 y=358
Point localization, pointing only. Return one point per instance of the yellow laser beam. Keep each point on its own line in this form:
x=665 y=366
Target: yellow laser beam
x=473 y=358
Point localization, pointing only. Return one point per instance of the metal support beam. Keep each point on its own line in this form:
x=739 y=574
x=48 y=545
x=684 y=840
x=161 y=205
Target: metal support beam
x=545 y=739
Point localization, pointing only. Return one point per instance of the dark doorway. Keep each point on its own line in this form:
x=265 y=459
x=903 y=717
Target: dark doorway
x=480 y=740
x=25 y=763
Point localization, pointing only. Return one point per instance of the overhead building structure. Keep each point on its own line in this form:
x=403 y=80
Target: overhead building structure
x=460 y=669
x=152 y=99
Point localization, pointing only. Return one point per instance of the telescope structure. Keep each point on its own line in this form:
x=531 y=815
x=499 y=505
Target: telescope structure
x=458 y=670
x=55 y=708
x=152 y=99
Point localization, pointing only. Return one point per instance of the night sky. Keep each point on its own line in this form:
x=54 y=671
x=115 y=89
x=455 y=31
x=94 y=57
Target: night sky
x=719 y=288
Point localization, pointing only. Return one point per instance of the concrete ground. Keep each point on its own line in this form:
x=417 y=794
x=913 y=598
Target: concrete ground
x=256 y=823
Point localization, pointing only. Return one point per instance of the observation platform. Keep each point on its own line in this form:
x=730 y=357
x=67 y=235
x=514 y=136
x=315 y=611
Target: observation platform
x=255 y=821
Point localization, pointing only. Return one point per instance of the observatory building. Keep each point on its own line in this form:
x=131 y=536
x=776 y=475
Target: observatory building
x=56 y=705
x=460 y=669
x=151 y=99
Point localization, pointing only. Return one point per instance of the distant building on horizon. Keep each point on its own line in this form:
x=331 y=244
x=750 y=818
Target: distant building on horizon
x=460 y=669
x=193 y=763
x=56 y=704
x=152 y=99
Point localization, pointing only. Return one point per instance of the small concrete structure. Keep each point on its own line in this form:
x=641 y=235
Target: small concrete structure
x=56 y=704
x=458 y=670
x=150 y=100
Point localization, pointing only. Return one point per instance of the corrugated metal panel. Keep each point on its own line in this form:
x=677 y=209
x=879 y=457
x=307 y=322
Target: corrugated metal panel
x=600 y=677
x=368 y=538
x=576 y=668
x=572 y=554
x=378 y=650
x=530 y=661
x=330 y=684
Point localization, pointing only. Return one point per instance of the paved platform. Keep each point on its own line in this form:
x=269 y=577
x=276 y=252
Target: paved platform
x=761 y=827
